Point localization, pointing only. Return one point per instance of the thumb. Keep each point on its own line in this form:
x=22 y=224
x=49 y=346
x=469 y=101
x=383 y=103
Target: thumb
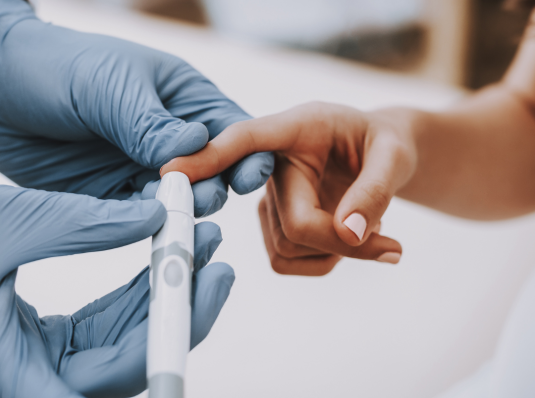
x=25 y=365
x=134 y=119
x=39 y=224
x=385 y=169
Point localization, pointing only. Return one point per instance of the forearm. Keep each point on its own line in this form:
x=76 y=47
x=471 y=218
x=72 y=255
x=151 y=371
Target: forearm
x=476 y=160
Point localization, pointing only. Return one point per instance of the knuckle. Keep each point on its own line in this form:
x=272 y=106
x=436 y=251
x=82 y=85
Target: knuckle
x=295 y=229
x=236 y=127
x=240 y=128
x=284 y=247
x=400 y=152
x=315 y=110
x=378 y=193
x=314 y=106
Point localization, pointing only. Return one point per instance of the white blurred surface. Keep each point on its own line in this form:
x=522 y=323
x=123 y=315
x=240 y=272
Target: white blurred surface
x=368 y=330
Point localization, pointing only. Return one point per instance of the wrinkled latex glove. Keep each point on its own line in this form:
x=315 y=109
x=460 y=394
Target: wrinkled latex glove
x=100 y=351
x=92 y=114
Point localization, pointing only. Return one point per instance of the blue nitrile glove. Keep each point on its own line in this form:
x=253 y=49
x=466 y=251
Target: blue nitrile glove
x=100 y=351
x=92 y=114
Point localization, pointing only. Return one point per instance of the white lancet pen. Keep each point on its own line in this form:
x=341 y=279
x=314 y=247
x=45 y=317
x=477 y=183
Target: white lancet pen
x=170 y=290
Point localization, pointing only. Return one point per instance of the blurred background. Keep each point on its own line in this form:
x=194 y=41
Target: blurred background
x=366 y=329
x=464 y=42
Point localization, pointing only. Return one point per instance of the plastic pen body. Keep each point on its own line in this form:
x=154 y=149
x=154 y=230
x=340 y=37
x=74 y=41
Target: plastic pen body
x=170 y=279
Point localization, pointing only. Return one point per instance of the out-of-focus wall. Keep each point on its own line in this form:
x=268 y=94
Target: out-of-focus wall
x=495 y=34
x=380 y=32
x=462 y=42
x=447 y=24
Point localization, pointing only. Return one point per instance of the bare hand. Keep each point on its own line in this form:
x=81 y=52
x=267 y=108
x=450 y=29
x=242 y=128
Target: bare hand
x=336 y=171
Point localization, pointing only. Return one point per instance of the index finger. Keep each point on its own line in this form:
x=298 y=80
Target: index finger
x=271 y=133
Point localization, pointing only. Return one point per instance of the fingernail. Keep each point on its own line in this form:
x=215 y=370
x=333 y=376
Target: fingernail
x=356 y=223
x=389 y=257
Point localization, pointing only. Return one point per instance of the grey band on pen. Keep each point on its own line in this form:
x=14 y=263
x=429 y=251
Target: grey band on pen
x=158 y=255
x=166 y=385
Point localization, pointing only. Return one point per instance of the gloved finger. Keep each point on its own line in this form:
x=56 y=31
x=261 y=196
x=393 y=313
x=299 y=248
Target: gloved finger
x=158 y=137
x=211 y=288
x=150 y=190
x=131 y=114
x=119 y=370
x=116 y=371
x=39 y=224
x=7 y=302
x=35 y=379
x=207 y=240
x=140 y=180
x=13 y=12
x=251 y=173
x=96 y=168
x=108 y=319
x=25 y=366
x=209 y=195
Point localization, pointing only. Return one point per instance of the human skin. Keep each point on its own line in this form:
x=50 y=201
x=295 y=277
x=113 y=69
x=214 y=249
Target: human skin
x=475 y=160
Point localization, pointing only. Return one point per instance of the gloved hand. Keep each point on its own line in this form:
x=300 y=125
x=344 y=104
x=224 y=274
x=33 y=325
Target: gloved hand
x=92 y=114
x=101 y=349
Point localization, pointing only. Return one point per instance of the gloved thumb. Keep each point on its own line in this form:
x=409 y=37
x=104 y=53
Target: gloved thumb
x=133 y=117
x=38 y=224
x=160 y=138
x=360 y=210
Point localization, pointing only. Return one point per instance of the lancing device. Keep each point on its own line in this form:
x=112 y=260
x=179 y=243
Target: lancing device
x=170 y=290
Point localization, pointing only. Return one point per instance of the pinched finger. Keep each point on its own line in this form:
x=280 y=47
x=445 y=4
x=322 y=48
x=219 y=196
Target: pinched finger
x=305 y=223
x=305 y=266
x=283 y=245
